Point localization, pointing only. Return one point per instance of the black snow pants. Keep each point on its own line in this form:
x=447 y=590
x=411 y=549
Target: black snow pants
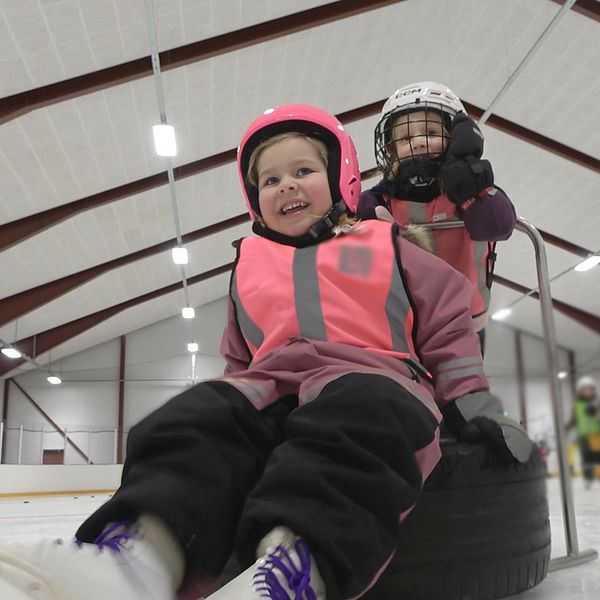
x=337 y=471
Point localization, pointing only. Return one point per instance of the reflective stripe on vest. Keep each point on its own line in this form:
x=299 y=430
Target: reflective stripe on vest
x=453 y=245
x=346 y=290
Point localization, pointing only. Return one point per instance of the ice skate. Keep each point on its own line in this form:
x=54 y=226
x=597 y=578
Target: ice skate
x=126 y=561
x=284 y=571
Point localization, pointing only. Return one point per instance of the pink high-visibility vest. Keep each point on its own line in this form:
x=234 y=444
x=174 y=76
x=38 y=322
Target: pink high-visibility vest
x=453 y=245
x=347 y=290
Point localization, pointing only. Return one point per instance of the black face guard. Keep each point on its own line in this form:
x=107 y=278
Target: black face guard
x=415 y=177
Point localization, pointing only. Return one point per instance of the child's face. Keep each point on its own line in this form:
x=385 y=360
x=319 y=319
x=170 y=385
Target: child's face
x=419 y=133
x=293 y=189
x=587 y=392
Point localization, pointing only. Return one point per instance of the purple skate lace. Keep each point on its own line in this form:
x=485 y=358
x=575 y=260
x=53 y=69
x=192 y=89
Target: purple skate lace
x=116 y=535
x=268 y=585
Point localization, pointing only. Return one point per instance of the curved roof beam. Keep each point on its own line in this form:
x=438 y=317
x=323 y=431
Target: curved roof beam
x=21 y=229
x=46 y=340
x=587 y=8
x=39 y=343
x=16 y=105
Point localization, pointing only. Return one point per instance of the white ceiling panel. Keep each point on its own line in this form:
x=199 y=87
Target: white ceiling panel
x=526 y=315
x=59 y=39
x=131 y=281
x=101 y=140
x=133 y=319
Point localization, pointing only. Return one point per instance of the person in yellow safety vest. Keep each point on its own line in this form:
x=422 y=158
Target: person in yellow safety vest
x=586 y=418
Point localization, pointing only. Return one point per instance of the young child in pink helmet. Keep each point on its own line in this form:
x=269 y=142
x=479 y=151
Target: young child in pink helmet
x=429 y=152
x=345 y=345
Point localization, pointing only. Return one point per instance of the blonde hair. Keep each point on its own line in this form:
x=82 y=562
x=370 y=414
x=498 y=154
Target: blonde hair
x=345 y=221
x=288 y=135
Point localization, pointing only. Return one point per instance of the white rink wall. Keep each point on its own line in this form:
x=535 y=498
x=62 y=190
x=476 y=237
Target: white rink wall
x=52 y=479
x=158 y=366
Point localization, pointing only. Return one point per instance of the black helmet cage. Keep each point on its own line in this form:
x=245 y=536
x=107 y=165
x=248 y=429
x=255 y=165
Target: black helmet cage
x=307 y=128
x=385 y=144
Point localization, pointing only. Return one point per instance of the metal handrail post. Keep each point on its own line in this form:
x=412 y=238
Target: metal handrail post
x=574 y=556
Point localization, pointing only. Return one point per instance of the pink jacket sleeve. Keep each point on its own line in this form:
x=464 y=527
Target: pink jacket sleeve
x=233 y=346
x=443 y=330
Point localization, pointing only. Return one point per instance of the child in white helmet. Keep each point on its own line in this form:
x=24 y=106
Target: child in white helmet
x=341 y=358
x=429 y=152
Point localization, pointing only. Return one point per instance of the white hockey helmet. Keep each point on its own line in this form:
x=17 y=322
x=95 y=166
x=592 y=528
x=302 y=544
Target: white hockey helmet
x=423 y=94
x=585 y=381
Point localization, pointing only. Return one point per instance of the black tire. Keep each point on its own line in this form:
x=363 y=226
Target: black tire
x=479 y=531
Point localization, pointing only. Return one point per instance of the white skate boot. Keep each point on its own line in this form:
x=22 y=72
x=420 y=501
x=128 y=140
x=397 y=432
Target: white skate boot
x=284 y=571
x=126 y=562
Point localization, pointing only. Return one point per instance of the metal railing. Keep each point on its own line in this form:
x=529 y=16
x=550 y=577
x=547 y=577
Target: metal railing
x=27 y=444
x=574 y=555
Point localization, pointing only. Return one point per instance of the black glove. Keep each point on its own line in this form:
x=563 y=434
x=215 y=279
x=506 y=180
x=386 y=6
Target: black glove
x=479 y=417
x=590 y=410
x=466 y=138
x=464 y=174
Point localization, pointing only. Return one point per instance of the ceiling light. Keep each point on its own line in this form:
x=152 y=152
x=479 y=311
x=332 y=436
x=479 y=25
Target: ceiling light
x=187 y=312
x=164 y=140
x=11 y=352
x=192 y=347
x=53 y=379
x=501 y=314
x=562 y=375
x=180 y=255
x=588 y=263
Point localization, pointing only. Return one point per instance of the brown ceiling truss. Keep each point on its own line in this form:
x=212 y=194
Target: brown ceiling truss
x=587 y=8
x=19 y=304
x=21 y=229
x=39 y=343
x=14 y=106
x=17 y=231
x=19 y=104
x=46 y=340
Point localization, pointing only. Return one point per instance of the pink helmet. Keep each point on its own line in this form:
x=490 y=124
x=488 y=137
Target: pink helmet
x=342 y=169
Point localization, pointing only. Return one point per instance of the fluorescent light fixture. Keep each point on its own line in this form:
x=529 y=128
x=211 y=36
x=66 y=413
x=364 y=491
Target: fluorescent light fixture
x=192 y=347
x=180 y=255
x=11 y=352
x=501 y=314
x=187 y=312
x=164 y=140
x=53 y=379
x=562 y=374
x=588 y=263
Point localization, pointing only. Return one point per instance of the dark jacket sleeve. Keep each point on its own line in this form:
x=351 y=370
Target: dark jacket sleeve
x=365 y=209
